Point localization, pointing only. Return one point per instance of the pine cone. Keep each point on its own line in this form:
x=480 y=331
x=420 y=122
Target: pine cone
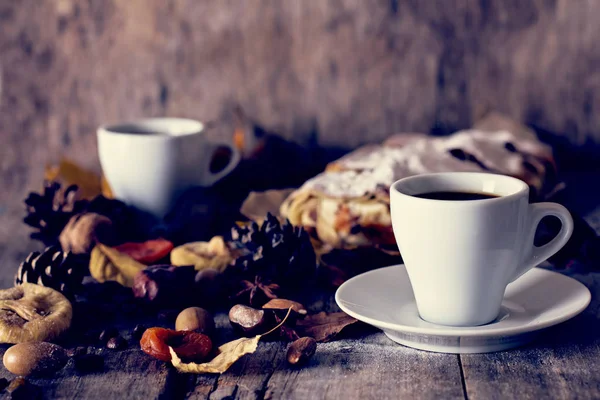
x=50 y=211
x=62 y=271
x=274 y=255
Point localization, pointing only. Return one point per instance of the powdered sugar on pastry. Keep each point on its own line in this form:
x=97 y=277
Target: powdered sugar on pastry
x=372 y=168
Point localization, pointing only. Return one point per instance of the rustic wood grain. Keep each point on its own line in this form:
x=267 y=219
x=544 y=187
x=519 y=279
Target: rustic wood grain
x=370 y=367
x=334 y=72
x=560 y=364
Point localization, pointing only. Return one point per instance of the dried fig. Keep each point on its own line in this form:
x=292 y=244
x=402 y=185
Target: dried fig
x=85 y=230
x=202 y=255
x=165 y=284
x=35 y=358
x=195 y=319
x=189 y=345
x=31 y=312
x=301 y=350
x=250 y=321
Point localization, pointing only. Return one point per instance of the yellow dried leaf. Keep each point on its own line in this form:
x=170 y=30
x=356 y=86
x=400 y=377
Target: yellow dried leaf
x=227 y=355
x=69 y=173
x=108 y=264
x=203 y=255
x=106 y=190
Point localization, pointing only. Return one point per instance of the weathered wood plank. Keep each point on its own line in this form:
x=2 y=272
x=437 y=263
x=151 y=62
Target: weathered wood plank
x=370 y=367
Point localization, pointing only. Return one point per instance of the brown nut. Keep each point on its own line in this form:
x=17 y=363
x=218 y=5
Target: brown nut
x=249 y=321
x=35 y=358
x=30 y=313
x=281 y=306
x=301 y=350
x=85 y=230
x=195 y=319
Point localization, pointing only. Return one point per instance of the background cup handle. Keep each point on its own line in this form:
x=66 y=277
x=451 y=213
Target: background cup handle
x=542 y=253
x=234 y=160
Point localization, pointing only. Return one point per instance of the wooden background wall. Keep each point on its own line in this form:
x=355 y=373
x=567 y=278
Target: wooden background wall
x=343 y=72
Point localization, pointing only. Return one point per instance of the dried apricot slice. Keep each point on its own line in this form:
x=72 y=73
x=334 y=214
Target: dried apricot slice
x=147 y=252
x=189 y=345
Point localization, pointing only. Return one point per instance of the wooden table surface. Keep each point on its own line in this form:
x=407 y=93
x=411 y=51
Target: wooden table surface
x=562 y=363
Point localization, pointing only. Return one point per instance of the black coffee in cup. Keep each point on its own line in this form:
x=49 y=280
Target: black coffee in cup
x=456 y=196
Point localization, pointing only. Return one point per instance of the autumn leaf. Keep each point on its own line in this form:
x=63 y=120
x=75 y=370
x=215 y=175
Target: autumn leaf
x=227 y=354
x=203 y=255
x=69 y=173
x=323 y=327
x=108 y=264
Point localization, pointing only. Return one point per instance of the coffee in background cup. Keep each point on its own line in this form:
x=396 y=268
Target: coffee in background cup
x=149 y=163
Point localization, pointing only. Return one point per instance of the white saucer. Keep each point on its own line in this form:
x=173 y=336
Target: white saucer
x=537 y=300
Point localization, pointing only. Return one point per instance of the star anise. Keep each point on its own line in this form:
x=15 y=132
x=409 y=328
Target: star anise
x=256 y=293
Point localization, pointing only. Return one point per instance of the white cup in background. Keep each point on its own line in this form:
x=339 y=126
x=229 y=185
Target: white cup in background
x=148 y=163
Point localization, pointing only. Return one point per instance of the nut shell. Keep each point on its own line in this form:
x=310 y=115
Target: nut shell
x=35 y=358
x=30 y=313
x=195 y=319
x=301 y=350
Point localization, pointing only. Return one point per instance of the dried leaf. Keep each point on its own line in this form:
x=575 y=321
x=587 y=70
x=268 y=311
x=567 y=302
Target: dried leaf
x=323 y=327
x=203 y=255
x=106 y=189
x=108 y=264
x=227 y=355
x=258 y=204
x=69 y=173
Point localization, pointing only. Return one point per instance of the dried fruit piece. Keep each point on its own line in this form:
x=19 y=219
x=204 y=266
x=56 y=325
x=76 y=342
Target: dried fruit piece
x=33 y=313
x=301 y=350
x=108 y=264
x=187 y=344
x=203 y=255
x=165 y=284
x=249 y=321
x=85 y=230
x=227 y=354
x=34 y=358
x=195 y=319
x=148 y=252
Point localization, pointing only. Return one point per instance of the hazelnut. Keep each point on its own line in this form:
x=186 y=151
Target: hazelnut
x=34 y=358
x=195 y=319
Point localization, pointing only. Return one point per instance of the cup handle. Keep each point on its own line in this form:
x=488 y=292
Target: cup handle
x=234 y=160
x=542 y=253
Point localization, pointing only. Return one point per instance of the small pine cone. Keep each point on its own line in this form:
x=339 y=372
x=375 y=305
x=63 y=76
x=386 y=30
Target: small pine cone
x=49 y=212
x=53 y=268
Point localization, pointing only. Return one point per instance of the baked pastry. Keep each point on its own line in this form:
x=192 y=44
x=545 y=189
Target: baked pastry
x=347 y=206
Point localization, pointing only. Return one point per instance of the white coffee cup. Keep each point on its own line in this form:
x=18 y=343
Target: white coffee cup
x=148 y=163
x=461 y=255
